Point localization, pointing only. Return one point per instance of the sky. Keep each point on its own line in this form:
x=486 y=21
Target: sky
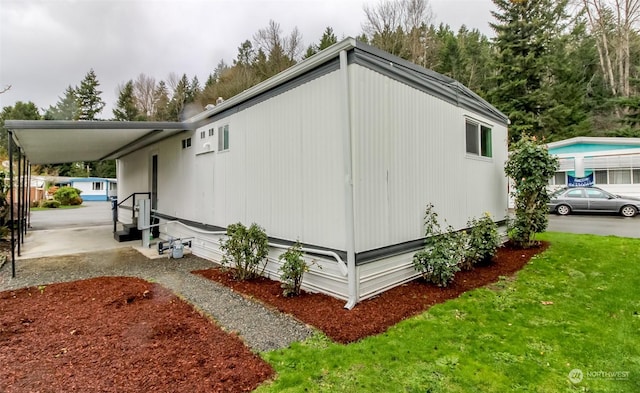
x=48 y=45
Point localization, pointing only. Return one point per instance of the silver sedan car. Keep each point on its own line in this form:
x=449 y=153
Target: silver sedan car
x=592 y=199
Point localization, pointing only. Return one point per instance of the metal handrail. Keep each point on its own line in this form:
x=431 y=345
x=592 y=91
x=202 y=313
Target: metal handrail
x=115 y=207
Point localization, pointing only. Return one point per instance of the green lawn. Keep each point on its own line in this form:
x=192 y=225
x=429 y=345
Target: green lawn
x=577 y=306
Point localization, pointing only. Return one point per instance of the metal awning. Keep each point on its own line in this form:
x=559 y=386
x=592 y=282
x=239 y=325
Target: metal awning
x=58 y=141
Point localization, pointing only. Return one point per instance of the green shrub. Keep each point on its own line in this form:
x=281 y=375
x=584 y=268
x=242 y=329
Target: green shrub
x=530 y=166
x=439 y=261
x=245 y=249
x=292 y=269
x=75 y=201
x=483 y=241
x=65 y=195
x=50 y=204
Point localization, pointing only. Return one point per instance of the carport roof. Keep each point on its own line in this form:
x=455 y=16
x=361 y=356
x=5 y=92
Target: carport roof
x=56 y=141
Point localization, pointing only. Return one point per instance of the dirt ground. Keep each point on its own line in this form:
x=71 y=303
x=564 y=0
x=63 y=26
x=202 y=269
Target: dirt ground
x=118 y=334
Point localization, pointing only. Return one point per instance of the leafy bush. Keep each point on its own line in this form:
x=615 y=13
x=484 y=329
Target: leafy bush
x=439 y=261
x=75 y=201
x=66 y=195
x=483 y=241
x=245 y=249
x=50 y=204
x=292 y=269
x=530 y=167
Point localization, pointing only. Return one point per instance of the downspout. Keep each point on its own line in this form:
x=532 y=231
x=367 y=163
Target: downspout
x=352 y=272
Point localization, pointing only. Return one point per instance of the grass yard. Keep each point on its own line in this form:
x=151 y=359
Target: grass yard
x=575 y=307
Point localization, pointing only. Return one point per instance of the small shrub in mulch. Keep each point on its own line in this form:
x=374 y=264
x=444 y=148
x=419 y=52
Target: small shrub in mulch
x=375 y=315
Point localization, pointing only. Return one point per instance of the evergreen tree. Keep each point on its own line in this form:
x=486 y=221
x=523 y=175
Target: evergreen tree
x=66 y=108
x=161 y=102
x=328 y=38
x=88 y=97
x=525 y=31
x=19 y=111
x=126 y=108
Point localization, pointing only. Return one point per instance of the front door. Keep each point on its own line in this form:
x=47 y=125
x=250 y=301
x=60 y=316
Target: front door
x=154 y=182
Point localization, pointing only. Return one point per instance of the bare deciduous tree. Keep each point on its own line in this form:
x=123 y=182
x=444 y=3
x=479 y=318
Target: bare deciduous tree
x=611 y=22
x=399 y=26
x=6 y=89
x=143 y=89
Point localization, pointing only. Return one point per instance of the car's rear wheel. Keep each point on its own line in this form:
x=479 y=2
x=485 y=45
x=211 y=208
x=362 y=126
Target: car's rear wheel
x=563 y=210
x=628 y=211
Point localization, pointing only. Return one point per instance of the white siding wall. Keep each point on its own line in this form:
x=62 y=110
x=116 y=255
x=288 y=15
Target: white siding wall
x=283 y=169
x=409 y=150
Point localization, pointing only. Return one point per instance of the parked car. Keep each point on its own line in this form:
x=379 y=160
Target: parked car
x=592 y=199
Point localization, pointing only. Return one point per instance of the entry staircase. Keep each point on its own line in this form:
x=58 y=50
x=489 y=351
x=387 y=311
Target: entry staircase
x=129 y=231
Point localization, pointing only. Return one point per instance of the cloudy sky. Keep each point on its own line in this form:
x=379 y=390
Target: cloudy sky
x=47 y=45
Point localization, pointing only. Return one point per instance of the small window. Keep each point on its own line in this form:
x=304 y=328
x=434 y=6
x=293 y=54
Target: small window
x=636 y=176
x=223 y=138
x=186 y=143
x=97 y=186
x=620 y=176
x=211 y=131
x=478 y=139
x=113 y=186
x=601 y=177
x=202 y=134
x=560 y=178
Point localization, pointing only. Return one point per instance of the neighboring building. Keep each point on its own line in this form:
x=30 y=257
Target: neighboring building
x=612 y=164
x=95 y=188
x=341 y=152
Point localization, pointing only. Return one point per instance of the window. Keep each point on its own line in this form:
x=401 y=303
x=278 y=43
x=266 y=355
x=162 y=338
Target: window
x=636 y=176
x=202 y=134
x=186 y=143
x=620 y=176
x=559 y=178
x=601 y=177
x=574 y=194
x=223 y=138
x=113 y=186
x=478 y=139
x=97 y=186
x=595 y=194
x=211 y=131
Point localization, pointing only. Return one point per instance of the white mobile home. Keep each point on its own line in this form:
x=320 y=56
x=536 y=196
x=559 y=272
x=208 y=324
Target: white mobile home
x=342 y=152
x=612 y=164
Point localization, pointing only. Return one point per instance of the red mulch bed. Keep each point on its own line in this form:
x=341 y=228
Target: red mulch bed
x=376 y=315
x=117 y=334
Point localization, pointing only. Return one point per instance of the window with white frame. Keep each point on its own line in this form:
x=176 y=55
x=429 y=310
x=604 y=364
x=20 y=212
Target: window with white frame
x=223 y=138
x=202 y=134
x=558 y=179
x=478 y=139
x=617 y=176
x=211 y=131
x=97 y=186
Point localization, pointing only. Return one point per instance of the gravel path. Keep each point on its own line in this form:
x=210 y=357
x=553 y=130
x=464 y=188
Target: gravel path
x=261 y=329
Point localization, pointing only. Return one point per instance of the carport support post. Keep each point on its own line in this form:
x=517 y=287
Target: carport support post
x=25 y=190
x=13 y=238
x=19 y=198
x=28 y=198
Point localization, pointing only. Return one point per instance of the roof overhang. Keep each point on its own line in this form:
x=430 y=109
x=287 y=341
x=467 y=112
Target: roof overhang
x=57 y=141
